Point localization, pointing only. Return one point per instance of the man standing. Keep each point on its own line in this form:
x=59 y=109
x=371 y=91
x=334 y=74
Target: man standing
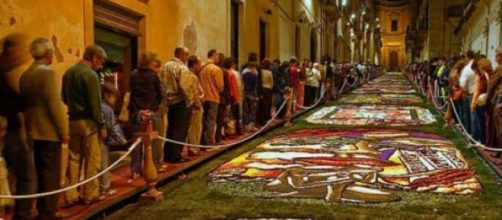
x=18 y=155
x=294 y=81
x=195 y=128
x=46 y=124
x=82 y=94
x=467 y=82
x=494 y=107
x=211 y=79
x=178 y=98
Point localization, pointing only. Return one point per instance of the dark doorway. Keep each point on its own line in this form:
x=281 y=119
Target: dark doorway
x=313 y=45
x=122 y=51
x=297 y=41
x=263 y=39
x=117 y=30
x=234 y=30
x=393 y=60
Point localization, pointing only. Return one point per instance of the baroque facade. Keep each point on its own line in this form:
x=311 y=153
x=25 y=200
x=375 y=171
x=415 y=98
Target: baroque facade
x=451 y=27
x=270 y=28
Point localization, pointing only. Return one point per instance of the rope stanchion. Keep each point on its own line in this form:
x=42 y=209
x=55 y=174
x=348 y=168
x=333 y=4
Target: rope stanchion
x=38 y=195
x=230 y=144
x=474 y=141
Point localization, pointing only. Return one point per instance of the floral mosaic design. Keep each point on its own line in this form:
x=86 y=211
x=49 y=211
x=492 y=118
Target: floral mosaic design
x=359 y=165
x=381 y=99
x=399 y=88
x=362 y=115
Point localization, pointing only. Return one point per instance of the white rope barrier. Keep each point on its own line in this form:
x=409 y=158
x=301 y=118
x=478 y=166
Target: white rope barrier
x=476 y=143
x=230 y=144
x=323 y=92
x=38 y=195
x=436 y=95
x=356 y=80
x=345 y=81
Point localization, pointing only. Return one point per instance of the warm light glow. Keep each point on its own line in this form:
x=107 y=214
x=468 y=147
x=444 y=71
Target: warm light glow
x=353 y=16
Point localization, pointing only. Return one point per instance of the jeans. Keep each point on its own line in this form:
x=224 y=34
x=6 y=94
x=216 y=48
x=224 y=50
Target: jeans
x=179 y=119
x=265 y=107
x=236 y=114
x=48 y=165
x=220 y=120
x=466 y=112
x=20 y=163
x=250 y=106
x=210 y=115
x=458 y=107
x=310 y=95
x=478 y=124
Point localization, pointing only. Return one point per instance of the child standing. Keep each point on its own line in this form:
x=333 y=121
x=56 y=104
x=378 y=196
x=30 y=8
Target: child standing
x=115 y=136
x=250 y=80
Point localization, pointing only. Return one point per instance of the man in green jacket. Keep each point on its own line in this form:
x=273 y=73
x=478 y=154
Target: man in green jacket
x=82 y=94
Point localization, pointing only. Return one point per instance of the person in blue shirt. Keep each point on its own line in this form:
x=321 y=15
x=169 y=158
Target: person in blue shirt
x=115 y=136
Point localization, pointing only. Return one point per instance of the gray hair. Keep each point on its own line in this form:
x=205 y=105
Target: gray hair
x=94 y=50
x=39 y=48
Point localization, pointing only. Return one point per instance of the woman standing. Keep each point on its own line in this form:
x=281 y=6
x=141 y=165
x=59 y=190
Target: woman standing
x=482 y=69
x=312 y=85
x=146 y=95
x=265 y=103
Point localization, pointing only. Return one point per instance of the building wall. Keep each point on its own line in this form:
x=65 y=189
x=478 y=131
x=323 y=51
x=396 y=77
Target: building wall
x=70 y=25
x=482 y=32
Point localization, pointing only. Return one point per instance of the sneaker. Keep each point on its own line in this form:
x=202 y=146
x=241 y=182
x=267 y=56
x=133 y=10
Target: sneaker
x=111 y=192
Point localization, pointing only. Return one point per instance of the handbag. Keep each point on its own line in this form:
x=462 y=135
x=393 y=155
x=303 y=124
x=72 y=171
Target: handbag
x=230 y=127
x=458 y=93
x=481 y=101
x=124 y=111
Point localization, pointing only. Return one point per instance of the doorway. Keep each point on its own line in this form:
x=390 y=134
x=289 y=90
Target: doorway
x=117 y=30
x=234 y=30
x=393 y=61
x=313 y=45
x=122 y=51
x=297 y=41
x=263 y=39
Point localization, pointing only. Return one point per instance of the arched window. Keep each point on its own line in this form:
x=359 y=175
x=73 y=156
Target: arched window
x=394 y=22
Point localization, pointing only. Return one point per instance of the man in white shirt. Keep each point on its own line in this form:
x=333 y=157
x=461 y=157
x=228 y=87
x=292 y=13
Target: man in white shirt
x=467 y=82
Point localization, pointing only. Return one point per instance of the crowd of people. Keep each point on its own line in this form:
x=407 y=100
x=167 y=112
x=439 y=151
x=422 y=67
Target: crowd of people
x=469 y=90
x=188 y=99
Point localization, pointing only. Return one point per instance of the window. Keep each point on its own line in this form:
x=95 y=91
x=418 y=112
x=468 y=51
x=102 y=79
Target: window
x=393 y=26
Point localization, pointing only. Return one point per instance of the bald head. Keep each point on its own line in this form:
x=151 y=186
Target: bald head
x=182 y=53
x=498 y=56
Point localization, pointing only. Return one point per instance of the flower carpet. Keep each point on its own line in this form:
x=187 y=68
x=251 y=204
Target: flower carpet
x=361 y=165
